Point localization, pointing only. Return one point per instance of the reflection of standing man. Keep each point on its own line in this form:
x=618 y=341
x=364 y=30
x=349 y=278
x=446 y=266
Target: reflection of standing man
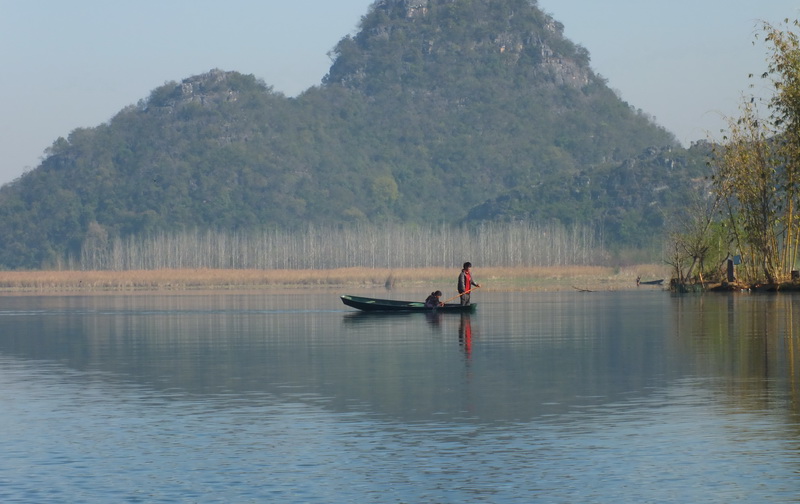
x=465 y=333
x=465 y=283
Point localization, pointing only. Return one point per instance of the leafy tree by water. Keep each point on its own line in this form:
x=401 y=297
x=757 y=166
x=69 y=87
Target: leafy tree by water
x=756 y=170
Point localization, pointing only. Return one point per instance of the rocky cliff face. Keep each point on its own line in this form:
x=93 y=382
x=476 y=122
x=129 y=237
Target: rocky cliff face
x=212 y=87
x=424 y=35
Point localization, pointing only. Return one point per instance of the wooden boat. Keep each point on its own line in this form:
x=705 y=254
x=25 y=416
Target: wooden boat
x=652 y=282
x=389 y=305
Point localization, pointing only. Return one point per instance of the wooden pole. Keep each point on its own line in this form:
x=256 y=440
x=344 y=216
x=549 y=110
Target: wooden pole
x=455 y=297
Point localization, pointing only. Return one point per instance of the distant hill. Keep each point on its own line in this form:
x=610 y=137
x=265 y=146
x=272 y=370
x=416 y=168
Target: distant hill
x=451 y=111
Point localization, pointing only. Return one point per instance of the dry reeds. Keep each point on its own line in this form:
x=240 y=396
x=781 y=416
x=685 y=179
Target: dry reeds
x=521 y=279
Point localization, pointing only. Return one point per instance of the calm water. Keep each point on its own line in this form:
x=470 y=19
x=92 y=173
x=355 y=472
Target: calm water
x=567 y=397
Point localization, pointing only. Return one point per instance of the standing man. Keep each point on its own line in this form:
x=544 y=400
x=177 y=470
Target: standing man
x=465 y=283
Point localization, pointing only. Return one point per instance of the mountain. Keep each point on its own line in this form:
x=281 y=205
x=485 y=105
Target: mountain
x=450 y=111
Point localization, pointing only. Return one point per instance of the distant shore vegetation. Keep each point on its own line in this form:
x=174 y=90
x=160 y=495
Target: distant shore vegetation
x=517 y=244
x=507 y=256
x=383 y=280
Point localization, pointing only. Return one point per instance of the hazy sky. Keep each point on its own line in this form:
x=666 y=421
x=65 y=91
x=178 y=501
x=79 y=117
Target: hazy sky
x=69 y=64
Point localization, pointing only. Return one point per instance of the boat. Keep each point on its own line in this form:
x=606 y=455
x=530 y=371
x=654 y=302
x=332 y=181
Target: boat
x=651 y=282
x=389 y=305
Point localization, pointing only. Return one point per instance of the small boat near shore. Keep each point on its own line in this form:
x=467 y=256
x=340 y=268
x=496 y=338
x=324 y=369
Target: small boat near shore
x=389 y=305
x=649 y=282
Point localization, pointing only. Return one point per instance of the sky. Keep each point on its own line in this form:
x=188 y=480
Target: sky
x=75 y=64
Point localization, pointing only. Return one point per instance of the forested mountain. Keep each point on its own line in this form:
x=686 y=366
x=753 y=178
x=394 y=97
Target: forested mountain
x=451 y=111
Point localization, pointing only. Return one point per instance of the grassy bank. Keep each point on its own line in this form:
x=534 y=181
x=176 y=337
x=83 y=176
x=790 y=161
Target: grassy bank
x=503 y=279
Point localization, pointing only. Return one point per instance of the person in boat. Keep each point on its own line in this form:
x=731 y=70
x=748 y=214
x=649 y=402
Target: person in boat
x=466 y=283
x=433 y=300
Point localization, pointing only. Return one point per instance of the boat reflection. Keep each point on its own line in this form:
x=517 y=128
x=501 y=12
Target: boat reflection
x=361 y=316
x=434 y=318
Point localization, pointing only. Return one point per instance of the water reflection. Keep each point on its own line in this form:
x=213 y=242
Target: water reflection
x=465 y=333
x=538 y=355
x=434 y=318
x=551 y=397
x=749 y=341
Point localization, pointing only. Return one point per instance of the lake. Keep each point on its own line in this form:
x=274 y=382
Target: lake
x=560 y=397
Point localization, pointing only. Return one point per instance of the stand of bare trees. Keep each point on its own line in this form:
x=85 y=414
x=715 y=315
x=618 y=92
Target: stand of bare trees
x=367 y=246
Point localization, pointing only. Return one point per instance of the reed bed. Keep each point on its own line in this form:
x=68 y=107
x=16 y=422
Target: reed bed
x=491 y=278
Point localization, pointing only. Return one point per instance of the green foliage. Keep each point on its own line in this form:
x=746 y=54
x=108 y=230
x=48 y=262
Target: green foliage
x=755 y=176
x=756 y=173
x=445 y=111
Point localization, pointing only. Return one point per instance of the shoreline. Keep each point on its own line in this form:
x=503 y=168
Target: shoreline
x=555 y=278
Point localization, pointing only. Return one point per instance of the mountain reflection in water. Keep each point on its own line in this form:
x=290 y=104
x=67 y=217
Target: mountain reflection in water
x=533 y=388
